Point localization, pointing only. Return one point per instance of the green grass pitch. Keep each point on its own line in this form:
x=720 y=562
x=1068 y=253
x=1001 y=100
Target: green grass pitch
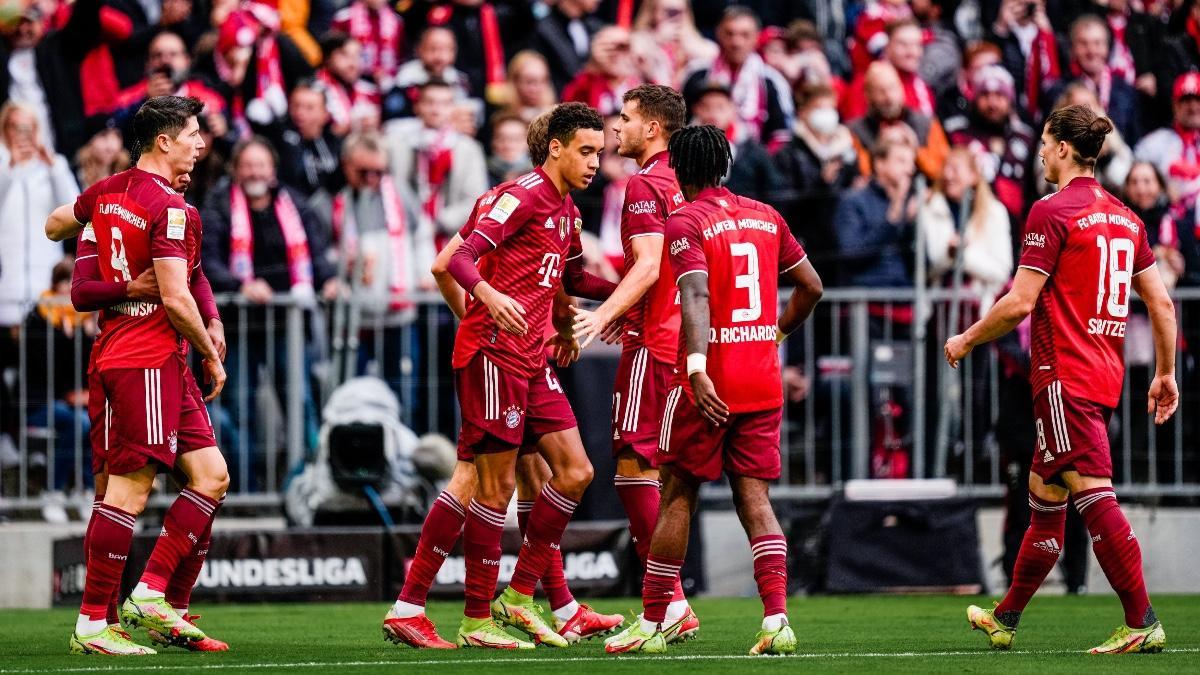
x=918 y=634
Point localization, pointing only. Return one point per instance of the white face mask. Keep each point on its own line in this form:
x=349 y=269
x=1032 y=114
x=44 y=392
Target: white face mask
x=255 y=188
x=823 y=120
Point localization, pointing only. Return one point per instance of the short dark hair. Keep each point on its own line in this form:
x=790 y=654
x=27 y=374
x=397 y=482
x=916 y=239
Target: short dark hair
x=333 y=41
x=903 y=22
x=433 y=83
x=739 y=12
x=807 y=92
x=1080 y=126
x=661 y=104
x=567 y=118
x=700 y=156
x=162 y=115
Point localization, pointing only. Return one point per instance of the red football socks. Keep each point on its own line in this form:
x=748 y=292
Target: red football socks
x=481 y=547
x=554 y=581
x=640 y=497
x=658 y=586
x=770 y=572
x=108 y=548
x=187 y=519
x=551 y=513
x=179 y=588
x=1040 y=550
x=442 y=527
x=1116 y=547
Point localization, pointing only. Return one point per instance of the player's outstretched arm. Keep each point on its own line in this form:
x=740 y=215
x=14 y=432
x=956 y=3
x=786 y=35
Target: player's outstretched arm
x=647 y=252
x=185 y=316
x=61 y=224
x=1163 y=397
x=1005 y=315
x=693 y=305
x=807 y=292
x=452 y=293
x=583 y=284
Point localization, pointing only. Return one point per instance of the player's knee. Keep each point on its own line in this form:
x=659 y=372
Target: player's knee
x=213 y=483
x=131 y=503
x=496 y=490
x=576 y=478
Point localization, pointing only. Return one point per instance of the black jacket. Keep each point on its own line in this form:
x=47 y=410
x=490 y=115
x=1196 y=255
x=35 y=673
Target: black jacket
x=807 y=202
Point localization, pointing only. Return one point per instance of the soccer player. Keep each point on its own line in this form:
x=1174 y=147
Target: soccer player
x=138 y=381
x=726 y=254
x=643 y=313
x=1084 y=252
x=89 y=292
x=406 y=621
x=507 y=394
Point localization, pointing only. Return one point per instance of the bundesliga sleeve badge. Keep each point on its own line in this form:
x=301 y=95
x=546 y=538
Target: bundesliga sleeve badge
x=504 y=208
x=176 y=224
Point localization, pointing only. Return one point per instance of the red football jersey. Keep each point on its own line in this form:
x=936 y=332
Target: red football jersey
x=743 y=246
x=535 y=232
x=1090 y=245
x=136 y=218
x=651 y=195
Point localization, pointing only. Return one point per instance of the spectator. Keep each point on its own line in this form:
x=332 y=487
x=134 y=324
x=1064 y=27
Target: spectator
x=510 y=152
x=352 y=102
x=1178 y=54
x=806 y=61
x=1175 y=150
x=444 y=169
x=760 y=94
x=380 y=31
x=20 y=69
x=665 y=41
x=103 y=156
x=609 y=73
x=1175 y=248
x=956 y=100
x=941 y=58
x=986 y=240
x=886 y=111
x=1005 y=146
x=307 y=146
x=874 y=224
x=261 y=241
x=816 y=165
x=1135 y=37
x=564 y=36
x=169 y=72
x=903 y=51
x=752 y=173
x=1090 y=42
x=1115 y=156
x=34 y=180
x=1030 y=49
x=436 y=51
x=870 y=35
x=530 y=90
x=209 y=167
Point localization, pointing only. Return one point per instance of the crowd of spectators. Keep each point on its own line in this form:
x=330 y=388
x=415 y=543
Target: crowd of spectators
x=348 y=139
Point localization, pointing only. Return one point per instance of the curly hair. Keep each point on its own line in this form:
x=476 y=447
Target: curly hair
x=660 y=104
x=567 y=118
x=700 y=156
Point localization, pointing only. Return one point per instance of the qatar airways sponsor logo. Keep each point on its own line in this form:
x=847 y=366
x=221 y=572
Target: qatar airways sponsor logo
x=577 y=566
x=135 y=308
x=723 y=226
x=643 y=207
x=1035 y=240
x=124 y=214
x=679 y=246
x=283 y=572
x=1106 y=327
x=1106 y=219
x=737 y=334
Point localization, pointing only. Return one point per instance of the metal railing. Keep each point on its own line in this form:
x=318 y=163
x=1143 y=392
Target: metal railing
x=872 y=396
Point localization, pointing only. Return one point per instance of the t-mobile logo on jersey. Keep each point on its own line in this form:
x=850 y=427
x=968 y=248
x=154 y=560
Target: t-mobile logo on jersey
x=549 y=269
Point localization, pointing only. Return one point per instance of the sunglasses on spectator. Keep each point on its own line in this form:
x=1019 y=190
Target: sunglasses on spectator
x=370 y=173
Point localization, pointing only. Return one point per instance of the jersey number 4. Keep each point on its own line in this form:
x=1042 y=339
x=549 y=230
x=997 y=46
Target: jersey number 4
x=750 y=281
x=1115 y=275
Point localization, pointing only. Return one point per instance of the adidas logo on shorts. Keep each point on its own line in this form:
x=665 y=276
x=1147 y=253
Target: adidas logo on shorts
x=1049 y=546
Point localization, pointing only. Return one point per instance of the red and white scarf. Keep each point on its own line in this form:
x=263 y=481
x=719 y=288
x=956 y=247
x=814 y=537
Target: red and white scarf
x=917 y=94
x=241 y=245
x=380 y=33
x=347 y=103
x=1120 y=61
x=269 y=88
x=345 y=231
x=1041 y=66
x=494 y=64
x=434 y=160
x=1101 y=86
x=748 y=88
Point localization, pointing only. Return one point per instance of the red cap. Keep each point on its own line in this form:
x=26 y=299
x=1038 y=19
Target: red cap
x=239 y=29
x=1187 y=84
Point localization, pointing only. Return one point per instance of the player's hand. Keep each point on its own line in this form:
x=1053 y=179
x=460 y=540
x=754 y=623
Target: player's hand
x=710 y=405
x=566 y=350
x=506 y=312
x=957 y=349
x=144 y=288
x=257 y=291
x=214 y=374
x=588 y=326
x=1163 y=398
x=615 y=331
x=216 y=333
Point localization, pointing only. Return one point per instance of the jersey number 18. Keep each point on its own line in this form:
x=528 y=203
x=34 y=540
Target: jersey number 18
x=1115 y=275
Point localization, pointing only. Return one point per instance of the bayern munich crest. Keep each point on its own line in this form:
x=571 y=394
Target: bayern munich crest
x=512 y=417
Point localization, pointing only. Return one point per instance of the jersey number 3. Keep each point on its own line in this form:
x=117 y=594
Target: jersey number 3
x=1116 y=273
x=749 y=281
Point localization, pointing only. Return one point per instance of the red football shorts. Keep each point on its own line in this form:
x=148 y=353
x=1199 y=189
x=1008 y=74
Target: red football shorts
x=145 y=414
x=638 y=400
x=502 y=411
x=1072 y=434
x=748 y=445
